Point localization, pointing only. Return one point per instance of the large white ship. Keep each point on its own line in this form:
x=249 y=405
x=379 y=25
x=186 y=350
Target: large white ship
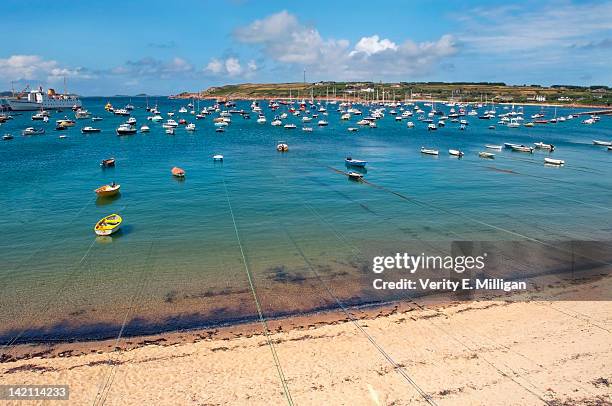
x=38 y=99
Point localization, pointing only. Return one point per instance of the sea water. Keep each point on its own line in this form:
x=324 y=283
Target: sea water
x=289 y=225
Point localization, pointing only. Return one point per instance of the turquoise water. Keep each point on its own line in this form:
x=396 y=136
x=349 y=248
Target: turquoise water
x=177 y=262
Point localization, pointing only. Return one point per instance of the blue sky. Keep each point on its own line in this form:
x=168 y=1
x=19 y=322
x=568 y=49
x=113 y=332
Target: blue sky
x=162 y=47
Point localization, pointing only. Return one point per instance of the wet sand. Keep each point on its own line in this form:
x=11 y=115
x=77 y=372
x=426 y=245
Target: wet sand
x=511 y=351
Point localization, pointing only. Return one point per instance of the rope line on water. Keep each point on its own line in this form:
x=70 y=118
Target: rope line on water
x=352 y=319
x=257 y=304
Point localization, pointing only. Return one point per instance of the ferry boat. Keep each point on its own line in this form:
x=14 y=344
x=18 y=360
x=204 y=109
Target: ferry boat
x=39 y=100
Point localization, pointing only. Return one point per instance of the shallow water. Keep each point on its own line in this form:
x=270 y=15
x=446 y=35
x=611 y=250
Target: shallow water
x=177 y=262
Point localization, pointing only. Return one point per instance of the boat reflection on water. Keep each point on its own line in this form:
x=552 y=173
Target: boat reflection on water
x=360 y=169
x=106 y=200
x=104 y=239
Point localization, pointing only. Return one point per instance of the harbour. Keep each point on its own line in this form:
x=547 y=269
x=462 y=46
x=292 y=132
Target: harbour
x=300 y=214
x=238 y=203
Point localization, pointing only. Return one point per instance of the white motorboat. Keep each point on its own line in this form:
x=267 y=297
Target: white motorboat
x=126 y=129
x=427 y=151
x=551 y=161
x=456 y=152
x=354 y=176
x=355 y=162
x=495 y=147
x=88 y=130
x=603 y=143
x=218 y=157
x=33 y=131
x=170 y=124
x=190 y=127
x=145 y=129
x=290 y=126
x=541 y=145
x=522 y=148
x=487 y=155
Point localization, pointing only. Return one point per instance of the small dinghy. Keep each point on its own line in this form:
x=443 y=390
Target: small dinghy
x=427 y=151
x=354 y=175
x=307 y=129
x=495 y=147
x=7 y=137
x=218 y=157
x=355 y=162
x=62 y=137
x=290 y=126
x=603 y=143
x=353 y=129
x=145 y=129
x=87 y=130
x=551 y=161
x=509 y=145
x=282 y=146
x=108 y=190
x=170 y=131
x=487 y=155
x=108 y=225
x=178 y=172
x=456 y=152
x=522 y=148
x=541 y=145
x=107 y=162
x=220 y=130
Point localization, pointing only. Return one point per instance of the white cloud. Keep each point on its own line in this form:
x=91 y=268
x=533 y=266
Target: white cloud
x=214 y=66
x=283 y=38
x=35 y=67
x=373 y=44
x=231 y=67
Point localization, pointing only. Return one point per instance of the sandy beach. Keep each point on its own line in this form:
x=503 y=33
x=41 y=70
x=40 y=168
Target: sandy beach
x=503 y=352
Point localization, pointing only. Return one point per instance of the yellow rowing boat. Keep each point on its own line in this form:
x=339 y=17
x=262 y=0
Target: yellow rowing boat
x=108 y=225
x=108 y=190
